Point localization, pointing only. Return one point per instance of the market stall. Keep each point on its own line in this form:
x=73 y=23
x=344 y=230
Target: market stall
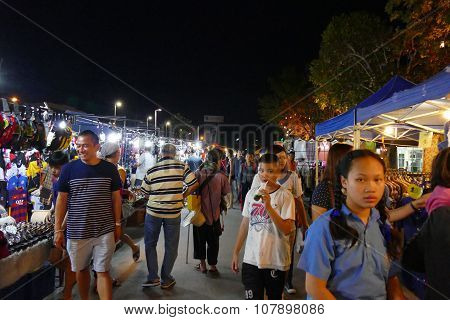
x=400 y=113
x=28 y=133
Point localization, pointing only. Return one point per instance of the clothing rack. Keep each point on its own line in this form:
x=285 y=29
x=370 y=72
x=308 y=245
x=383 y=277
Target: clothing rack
x=397 y=182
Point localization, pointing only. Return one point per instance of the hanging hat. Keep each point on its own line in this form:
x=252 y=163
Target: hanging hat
x=59 y=138
x=10 y=132
x=65 y=143
x=41 y=138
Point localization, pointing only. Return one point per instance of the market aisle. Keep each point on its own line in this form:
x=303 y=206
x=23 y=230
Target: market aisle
x=191 y=284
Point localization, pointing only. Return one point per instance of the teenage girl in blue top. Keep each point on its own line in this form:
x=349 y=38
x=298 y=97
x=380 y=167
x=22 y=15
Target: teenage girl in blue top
x=349 y=250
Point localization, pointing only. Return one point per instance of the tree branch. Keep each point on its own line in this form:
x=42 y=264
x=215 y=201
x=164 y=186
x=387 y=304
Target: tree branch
x=368 y=89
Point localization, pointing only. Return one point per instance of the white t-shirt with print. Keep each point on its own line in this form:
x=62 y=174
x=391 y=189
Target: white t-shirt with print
x=266 y=246
x=293 y=184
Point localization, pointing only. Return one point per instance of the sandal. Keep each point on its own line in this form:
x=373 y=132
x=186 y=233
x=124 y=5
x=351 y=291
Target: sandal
x=116 y=283
x=198 y=267
x=137 y=254
x=214 y=270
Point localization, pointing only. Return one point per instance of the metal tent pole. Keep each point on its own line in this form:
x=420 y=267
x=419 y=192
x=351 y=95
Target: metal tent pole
x=317 y=162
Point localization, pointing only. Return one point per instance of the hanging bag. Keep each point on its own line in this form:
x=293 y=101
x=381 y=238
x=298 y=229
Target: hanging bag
x=194 y=204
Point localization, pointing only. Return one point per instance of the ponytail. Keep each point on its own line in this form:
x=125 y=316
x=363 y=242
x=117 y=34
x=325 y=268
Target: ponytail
x=339 y=228
x=391 y=236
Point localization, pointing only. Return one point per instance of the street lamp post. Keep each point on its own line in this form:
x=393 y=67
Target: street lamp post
x=156 y=122
x=148 y=118
x=117 y=104
x=167 y=125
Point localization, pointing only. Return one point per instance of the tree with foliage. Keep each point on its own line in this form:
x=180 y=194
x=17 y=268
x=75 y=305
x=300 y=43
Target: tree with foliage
x=300 y=120
x=291 y=106
x=422 y=46
x=354 y=60
x=285 y=89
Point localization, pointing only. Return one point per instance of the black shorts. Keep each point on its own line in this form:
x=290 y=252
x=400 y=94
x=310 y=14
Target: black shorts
x=255 y=280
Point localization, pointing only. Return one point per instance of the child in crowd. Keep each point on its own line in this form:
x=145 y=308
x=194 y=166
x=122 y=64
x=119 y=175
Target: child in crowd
x=57 y=160
x=266 y=225
x=291 y=182
x=349 y=251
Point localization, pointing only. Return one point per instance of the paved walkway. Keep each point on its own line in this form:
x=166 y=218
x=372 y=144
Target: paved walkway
x=191 y=284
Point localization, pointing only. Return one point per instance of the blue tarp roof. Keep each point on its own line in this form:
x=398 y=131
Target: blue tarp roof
x=347 y=119
x=397 y=94
x=434 y=88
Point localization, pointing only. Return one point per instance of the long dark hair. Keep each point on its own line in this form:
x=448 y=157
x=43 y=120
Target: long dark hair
x=335 y=154
x=339 y=228
x=440 y=173
x=212 y=161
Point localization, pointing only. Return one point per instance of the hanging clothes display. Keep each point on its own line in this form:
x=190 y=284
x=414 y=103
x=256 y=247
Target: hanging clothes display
x=18 y=197
x=300 y=150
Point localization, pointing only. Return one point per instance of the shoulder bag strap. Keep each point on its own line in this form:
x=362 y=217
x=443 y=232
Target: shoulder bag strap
x=207 y=180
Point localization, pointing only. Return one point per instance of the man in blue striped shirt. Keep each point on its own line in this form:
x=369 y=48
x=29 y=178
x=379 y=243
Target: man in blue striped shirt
x=166 y=184
x=89 y=191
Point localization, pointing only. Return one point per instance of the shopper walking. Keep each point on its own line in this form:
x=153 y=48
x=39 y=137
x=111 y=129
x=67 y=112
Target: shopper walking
x=146 y=161
x=214 y=186
x=110 y=152
x=291 y=182
x=246 y=175
x=194 y=162
x=230 y=165
x=56 y=161
x=164 y=185
x=239 y=160
x=267 y=226
x=89 y=190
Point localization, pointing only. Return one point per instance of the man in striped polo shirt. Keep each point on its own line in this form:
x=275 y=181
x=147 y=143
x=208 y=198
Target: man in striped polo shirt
x=164 y=185
x=89 y=191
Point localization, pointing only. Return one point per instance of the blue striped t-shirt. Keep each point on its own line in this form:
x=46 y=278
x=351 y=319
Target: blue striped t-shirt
x=90 y=188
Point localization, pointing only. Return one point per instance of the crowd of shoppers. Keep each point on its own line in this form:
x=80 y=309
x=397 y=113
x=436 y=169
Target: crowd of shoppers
x=351 y=250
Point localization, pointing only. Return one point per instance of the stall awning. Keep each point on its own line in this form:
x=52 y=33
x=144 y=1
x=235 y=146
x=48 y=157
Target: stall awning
x=419 y=108
x=347 y=119
x=401 y=115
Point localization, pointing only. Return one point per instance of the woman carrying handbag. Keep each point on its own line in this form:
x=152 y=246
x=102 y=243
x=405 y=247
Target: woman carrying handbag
x=214 y=185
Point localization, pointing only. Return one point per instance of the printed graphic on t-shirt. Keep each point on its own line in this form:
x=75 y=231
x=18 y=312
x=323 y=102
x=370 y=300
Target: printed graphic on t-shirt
x=259 y=218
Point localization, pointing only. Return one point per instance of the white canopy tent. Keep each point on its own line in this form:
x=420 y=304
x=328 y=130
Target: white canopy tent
x=401 y=117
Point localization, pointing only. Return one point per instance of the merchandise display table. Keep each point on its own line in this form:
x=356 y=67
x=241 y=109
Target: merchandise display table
x=19 y=264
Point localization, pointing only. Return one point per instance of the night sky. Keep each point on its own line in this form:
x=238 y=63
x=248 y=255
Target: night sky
x=192 y=57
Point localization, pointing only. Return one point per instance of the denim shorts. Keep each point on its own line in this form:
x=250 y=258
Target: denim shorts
x=100 y=249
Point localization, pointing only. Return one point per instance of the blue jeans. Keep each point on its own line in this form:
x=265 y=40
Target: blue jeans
x=152 y=229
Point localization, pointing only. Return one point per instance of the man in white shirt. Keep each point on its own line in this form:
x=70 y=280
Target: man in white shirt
x=146 y=161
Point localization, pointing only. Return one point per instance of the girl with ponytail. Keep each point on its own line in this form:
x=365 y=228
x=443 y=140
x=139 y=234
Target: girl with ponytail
x=350 y=250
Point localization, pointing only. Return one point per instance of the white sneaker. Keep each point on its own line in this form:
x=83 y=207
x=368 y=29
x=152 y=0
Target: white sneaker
x=290 y=289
